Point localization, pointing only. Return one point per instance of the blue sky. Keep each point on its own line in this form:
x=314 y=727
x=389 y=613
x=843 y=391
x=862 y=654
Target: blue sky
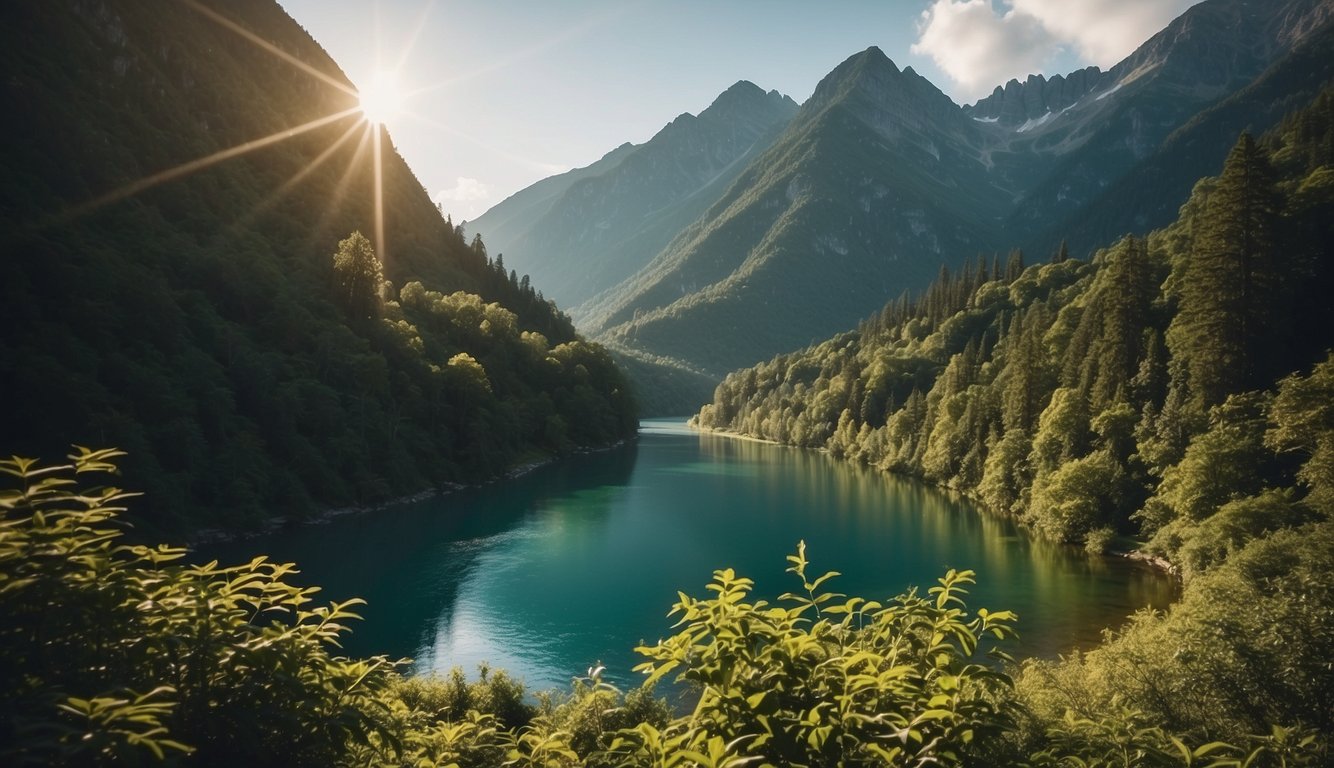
x=507 y=92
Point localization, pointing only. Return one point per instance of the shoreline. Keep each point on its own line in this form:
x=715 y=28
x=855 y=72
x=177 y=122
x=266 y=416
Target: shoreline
x=738 y=436
x=1154 y=562
x=210 y=536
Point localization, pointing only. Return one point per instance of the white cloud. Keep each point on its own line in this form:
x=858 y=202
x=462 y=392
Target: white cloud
x=979 y=48
x=1103 y=31
x=980 y=44
x=465 y=200
x=464 y=190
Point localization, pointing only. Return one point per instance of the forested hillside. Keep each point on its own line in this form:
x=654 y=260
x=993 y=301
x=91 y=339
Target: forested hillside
x=175 y=182
x=1133 y=394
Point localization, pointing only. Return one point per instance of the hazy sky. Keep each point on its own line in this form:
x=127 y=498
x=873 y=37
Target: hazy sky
x=511 y=91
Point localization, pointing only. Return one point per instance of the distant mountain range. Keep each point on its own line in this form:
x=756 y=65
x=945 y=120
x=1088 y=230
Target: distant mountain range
x=707 y=249
x=587 y=230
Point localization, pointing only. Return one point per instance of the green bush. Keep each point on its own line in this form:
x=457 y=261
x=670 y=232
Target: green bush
x=1243 y=658
x=823 y=679
x=110 y=652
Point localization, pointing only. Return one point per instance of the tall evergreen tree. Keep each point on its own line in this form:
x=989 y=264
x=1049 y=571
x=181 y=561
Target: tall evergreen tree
x=1026 y=372
x=1127 y=292
x=1229 y=294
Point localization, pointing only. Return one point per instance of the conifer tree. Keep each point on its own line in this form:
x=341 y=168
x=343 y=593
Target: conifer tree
x=1026 y=372
x=1014 y=265
x=1229 y=294
x=1062 y=254
x=1126 y=296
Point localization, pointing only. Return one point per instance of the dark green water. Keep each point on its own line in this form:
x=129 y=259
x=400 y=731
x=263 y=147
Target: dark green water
x=580 y=561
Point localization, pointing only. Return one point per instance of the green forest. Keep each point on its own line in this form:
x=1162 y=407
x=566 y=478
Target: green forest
x=1172 y=396
x=193 y=313
x=1170 y=378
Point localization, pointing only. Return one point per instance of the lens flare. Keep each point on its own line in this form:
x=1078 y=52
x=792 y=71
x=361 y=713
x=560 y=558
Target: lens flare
x=381 y=100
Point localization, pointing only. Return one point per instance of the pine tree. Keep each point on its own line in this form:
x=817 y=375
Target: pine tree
x=1027 y=378
x=1128 y=291
x=1014 y=265
x=1229 y=294
x=1149 y=384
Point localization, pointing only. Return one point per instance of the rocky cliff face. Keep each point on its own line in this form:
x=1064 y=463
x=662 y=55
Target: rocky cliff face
x=1212 y=50
x=1016 y=103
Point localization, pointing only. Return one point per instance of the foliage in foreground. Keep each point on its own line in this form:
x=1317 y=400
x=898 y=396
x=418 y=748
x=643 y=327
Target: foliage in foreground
x=120 y=654
x=1245 y=657
x=111 y=651
x=826 y=679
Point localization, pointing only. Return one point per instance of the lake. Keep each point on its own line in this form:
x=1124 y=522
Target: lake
x=580 y=560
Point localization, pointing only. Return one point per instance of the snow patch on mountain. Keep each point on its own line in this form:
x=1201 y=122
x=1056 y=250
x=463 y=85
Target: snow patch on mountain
x=1034 y=122
x=1109 y=91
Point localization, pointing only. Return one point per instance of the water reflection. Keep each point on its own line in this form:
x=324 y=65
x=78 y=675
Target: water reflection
x=580 y=561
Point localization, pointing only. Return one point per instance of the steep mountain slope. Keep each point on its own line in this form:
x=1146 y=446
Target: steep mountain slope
x=616 y=216
x=175 y=180
x=1069 y=396
x=1210 y=52
x=863 y=192
x=1105 y=394
x=1149 y=194
x=506 y=221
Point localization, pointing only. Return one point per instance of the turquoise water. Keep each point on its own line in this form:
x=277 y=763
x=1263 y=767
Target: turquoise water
x=579 y=561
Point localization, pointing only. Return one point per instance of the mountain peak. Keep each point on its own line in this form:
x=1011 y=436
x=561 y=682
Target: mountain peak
x=877 y=90
x=870 y=60
x=1016 y=101
x=873 y=53
x=744 y=99
x=1206 y=51
x=859 y=71
x=741 y=89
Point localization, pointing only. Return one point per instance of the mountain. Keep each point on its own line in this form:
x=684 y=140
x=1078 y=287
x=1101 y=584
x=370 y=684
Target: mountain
x=176 y=180
x=1210 y=52
x=1176 y=390
x=597 y=225
x=877 y=177
x=1150 y=193
x=880 y=178
x=533 y=202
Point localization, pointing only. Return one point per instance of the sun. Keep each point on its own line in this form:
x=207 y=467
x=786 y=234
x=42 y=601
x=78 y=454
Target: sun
x=381 y=100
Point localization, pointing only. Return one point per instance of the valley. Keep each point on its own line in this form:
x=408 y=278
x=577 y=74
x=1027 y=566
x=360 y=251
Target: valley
x=1044 y=371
